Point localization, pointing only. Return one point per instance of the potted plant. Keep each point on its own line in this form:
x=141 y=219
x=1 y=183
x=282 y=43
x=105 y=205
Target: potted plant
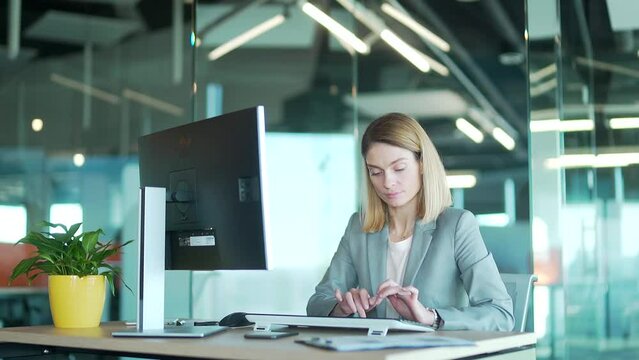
x=78 y=269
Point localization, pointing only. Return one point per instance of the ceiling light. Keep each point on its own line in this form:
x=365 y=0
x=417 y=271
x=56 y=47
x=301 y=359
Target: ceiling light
x=78 y=159
x=37 y=124
x=335 y=28
x=461 y=181
x=411 y=54
x=84 y=88
x=511 y=58
x=624 y=123
x=561 y=125
x=591 y=160
x=504 y=139
x=152 y=102
x=492 y=220
x=246 y=37
x=423 y=62
x=543 y=87
x=378 y=27
x=418 y=28
x=469 y=130
x=543 y=72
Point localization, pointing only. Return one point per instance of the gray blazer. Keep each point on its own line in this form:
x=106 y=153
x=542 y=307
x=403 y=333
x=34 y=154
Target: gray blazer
x=448 y=263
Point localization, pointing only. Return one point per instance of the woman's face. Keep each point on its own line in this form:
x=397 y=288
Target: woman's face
x=394 y=173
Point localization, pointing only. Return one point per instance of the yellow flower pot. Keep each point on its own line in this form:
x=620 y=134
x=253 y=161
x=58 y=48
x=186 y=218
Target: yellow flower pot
x=76 y=302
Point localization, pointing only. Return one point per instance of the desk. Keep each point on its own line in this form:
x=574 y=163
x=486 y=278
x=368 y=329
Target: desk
x=232 y=345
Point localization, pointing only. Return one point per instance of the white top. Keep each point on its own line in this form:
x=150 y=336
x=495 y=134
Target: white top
x=396 y=265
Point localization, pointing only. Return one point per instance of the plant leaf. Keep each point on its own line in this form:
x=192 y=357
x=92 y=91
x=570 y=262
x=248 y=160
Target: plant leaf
x=44 y=223
x=90 y=240
x=23 y=267
x=74 y=229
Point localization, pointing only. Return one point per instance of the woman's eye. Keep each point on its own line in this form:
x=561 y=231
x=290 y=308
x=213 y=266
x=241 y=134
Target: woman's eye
x=400 y=169
x=374 y=172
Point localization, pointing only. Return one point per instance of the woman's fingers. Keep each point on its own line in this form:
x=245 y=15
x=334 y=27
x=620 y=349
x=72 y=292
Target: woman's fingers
x=385 y=284
x=364 y=299
x=348 y=297
x=355 y=301
x=389 y=288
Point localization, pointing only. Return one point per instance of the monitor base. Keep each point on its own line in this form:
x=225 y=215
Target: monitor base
x=172 y=332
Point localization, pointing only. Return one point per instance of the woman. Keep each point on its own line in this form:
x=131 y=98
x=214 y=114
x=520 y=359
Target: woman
x=409 y=254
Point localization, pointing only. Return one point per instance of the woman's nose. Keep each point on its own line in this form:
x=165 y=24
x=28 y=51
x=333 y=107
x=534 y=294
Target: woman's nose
x=389 y=181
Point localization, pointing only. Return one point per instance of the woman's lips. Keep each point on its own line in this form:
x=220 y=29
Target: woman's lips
x=393 y=195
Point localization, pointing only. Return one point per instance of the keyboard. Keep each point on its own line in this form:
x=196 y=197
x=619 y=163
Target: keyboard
x=376 y=327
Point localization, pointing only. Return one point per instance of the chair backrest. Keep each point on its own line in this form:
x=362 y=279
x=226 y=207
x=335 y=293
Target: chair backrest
x=519 y=287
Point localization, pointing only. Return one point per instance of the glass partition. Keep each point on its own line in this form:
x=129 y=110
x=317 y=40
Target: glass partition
x=583 y=80
x=86 y=78
x=79 y=82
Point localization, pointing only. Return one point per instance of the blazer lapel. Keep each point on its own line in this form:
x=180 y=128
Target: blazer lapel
x=422 y=236
x=376 y=248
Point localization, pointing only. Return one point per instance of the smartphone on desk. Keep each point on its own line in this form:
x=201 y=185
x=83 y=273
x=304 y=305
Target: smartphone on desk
x=269 y=335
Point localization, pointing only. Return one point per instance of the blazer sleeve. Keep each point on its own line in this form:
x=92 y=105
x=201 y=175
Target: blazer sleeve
x=490 y=306
x=340 y=274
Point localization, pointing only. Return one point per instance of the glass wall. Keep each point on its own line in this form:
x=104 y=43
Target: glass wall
x=79 y=82
x=583 y=85
x=86 y=79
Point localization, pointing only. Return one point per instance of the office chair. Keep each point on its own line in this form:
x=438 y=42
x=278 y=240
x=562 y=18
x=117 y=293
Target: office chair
x=519 y=287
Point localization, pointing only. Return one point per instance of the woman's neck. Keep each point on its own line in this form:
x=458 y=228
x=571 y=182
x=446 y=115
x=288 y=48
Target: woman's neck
x=401 y=222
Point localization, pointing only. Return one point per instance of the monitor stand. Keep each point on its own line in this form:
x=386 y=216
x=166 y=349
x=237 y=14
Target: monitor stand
x=150 y=300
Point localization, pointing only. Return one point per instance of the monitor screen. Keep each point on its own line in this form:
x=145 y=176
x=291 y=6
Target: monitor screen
x=213 y=171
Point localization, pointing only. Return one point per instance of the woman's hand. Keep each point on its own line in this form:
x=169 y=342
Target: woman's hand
x=405 y=301
x=353 y=301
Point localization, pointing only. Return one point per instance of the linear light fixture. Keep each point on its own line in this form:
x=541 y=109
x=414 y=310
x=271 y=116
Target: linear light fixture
x=561 y=125
x=592 y=160
x=418 y=28
x=411 y=54
x=469 y=130
x=375 y=23
x=543 y=72
x=624 y=123
x=84 y=88
x=421 y=61
x=543 y=87
x=503 y=138
x=245 y=37
x=152 y=102
x=335 y=28
x=461 y=181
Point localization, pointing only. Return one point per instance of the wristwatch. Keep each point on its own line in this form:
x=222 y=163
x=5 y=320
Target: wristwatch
x=437 y=322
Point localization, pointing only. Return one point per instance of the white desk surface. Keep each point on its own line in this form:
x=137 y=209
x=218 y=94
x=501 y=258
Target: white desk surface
x=232 y=345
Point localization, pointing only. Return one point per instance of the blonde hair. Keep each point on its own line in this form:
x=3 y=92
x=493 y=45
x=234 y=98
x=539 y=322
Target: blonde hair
x=403 y=131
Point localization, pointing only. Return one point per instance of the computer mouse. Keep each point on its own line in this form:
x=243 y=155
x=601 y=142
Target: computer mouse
x=235 y=319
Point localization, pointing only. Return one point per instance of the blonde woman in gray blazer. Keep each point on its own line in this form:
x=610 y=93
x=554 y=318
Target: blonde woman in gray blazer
x=409 y=254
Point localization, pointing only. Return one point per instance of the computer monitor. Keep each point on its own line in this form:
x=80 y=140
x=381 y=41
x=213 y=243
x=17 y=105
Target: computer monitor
x=216 y=209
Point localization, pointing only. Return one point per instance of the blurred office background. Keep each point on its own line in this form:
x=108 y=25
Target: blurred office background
x=533 y=106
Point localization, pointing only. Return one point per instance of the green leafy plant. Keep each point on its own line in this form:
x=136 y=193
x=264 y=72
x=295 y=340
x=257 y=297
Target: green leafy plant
x=65 y=253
